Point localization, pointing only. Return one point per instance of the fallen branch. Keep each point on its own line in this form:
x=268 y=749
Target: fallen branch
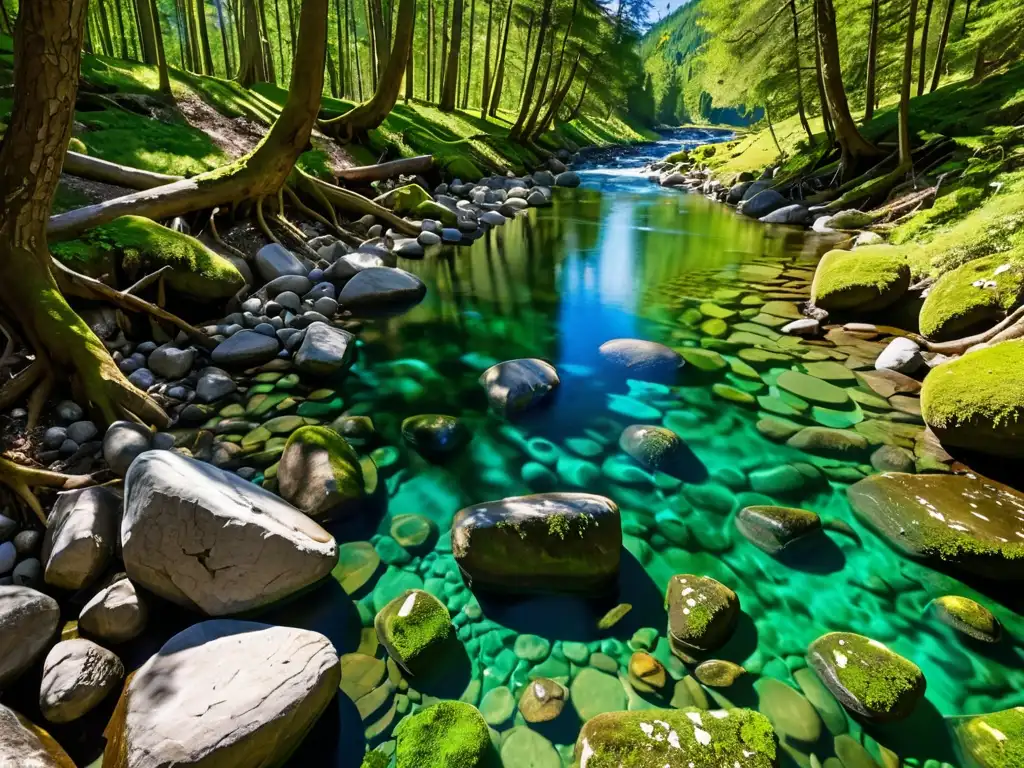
x=1001 y=331
x=407 y=166
x=111 y=173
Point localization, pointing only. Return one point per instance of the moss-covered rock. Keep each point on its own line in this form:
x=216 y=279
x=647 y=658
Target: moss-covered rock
x=405 y=199
x=435 y=435
x=867 y=678
x=995 y=740
x=971 y=297
x=75 y=144
x=451 y=734
x=702 y=613
x=654 y=738
x=966 y=521
x=461 y=167
x=967 y=616
x=430 y=209
x=320 y=473
x=977 y=401
x=658 y=449
x=135 y=246
x=411 y=625
x=868 y=279
x=773 y=529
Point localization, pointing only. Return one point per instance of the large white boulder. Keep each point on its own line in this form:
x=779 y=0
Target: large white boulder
x=28 y=622
x=77 y=675
x=81 y=536
x=25 y=745
x=207 y=539
x=225 y=694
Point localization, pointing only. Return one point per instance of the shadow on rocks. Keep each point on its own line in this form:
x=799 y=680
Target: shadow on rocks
x=924 y=729
x=814 y=554
x=326 y=609
x=335 y=741
x=445 y=672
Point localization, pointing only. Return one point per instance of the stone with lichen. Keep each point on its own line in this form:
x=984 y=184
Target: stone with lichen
x=702 y=613
x=412 y=625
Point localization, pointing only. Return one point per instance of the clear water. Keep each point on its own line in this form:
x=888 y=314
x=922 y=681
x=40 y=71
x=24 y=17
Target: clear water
x=621 y=257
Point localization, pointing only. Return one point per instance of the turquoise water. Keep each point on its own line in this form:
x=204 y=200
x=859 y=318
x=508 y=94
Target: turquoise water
x=621 y=257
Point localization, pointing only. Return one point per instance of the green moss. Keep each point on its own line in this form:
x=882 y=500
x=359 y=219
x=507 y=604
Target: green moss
x=316 y=163
x=76 y=145
x=869 y=278
x=690 y=736
x=140 y=246
x=876 y=676
x=375 y=759
x=973 y=295
x=968 y=616
x=450 y=734
x=426 y=624
x=345 y=467
x=430 y=209
x=994 y=740
x=405 y=199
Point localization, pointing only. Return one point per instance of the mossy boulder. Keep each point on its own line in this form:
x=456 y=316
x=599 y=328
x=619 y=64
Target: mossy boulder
x=412 y=625
x=132 y=247
x=654 y=738
x=868 y=279
x=451 y=734
x=430 y=209
x=461 y=167
x=865 y=676
x=550 y=542
x=965 y=521
x=702 y=613
x=977 y=401
x=658 y=449
x=404 y=200
x=995 y=740
x=320 y=473
x=967 y=616
x=773 y=529
x=972 y=297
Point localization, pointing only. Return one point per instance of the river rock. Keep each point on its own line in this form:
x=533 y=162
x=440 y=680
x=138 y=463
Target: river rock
x=656 y=448
x=24 y=745
x=702 y=613
x=966 y=616
x=348 y=266
x=966 y=521
x=834 y=443
x=773 y=529
x=552 y=542
x=872 y=278
x=639 y=359
x=435 y=435
x=542 y=700
x=762 y=204
x=297 y=284
x=81 y=536
x=214 y=384
x=993 y=740
x=567 y=179
x=225 y=693
x=450 y=733
x=788 y=214
x=170 y=362
x=273 y=261
x=515 y=386
x=28 y=621
x=245 y=349
x=411 y=626
x=320 y=474
x=655 y=738
x=376 y=287
x=77 y=675
x=718 y=673
x=122 y=443
x=115 y=614
x=326 y=351
x=207 y=539
x=902 y=355
x=868 y=679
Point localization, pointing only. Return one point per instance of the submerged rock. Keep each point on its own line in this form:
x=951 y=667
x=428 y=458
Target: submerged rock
x=28 y=622
x=968 y=617
x=224 y=693
x=77 y=675
x=644 y=360
x=207 y=539
x=773 y=529
x=319 y=473
x=436 y=435
x=966 y=521
x=411 y=626
x=655 y=738
x=554 y=542
x=702 y=613
x=867 y=678
x=994 y=740
x=542 y=700
x=656 y=448
x=450 y=733
x=515 y=386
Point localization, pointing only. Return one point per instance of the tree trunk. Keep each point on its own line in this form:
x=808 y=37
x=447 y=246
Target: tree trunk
x=826 y=116
x=469 y=55
x=342 y=48
x=869 y=84
x=120 y=28
x=429 y=48
x=442 y=66
x=260 y=173
x=371 y=30
x=924 y=46
x=291 y=27
x=499 y=77
x=381 y=37
x=280 y=37
x=410 y=62
x=147 y=25
x=583 y=94
x=224 y=38
x=355 y=48
x=105 y=33
x=516 y=131
x=799 y=77
x=204 y=38
x=967 y=15
x=332 y=73
x=252 y=66
x=47 y=55
x=526 y=55
x=193 y=38
x=531 y=120
x=485 y=91
x=451 y=77
x=940 y=52
x=161 y=54
x=557 y=98
x=771 y=129
x=268 y=54
x=854 y=147
x=906 y=163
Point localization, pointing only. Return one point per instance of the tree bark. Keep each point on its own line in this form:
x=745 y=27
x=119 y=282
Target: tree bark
x=224 y=38
x=799 y=78
x=451 y=77
x=854 y=147
x=184 y=57
x=371 y=29
x=557 y=99
x=291 y=26
x=967 y=15
x=161 y=54
x=531 y=120
x=47 y=55
x=333 y=73
x=583 y=94
x=442 y=65
x=105 y=33
x=906 y=162
x=342 y=47
x=258 y=174
x=381 y=36
x=204 y=37
x=947 y=19
x=119 y=10
x=355 y=48
x=872 y=63
x=485 y=91
x=280 y=37
x=268 y=54
x=148 y=31
x=469 y=55
x=430 y=50
x=364 y=117
x=499 y=77
x=826 y=116
x=410 y=63
x=924 y=46
x=516 y=131
x=252 y=66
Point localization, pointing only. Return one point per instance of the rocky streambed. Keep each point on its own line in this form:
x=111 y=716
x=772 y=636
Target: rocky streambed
x=589 y=486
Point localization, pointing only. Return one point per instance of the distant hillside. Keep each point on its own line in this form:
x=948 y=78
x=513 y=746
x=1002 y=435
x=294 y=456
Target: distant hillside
x=670 y=52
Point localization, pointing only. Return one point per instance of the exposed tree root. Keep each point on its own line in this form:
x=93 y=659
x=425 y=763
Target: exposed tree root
x=22 y=480
x=352 y=202
x=367 y=173
x=13 y=390
x=262 y=222
x=38 y=398
x=1010 y=327
x=148 y=280
x=215 y=236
